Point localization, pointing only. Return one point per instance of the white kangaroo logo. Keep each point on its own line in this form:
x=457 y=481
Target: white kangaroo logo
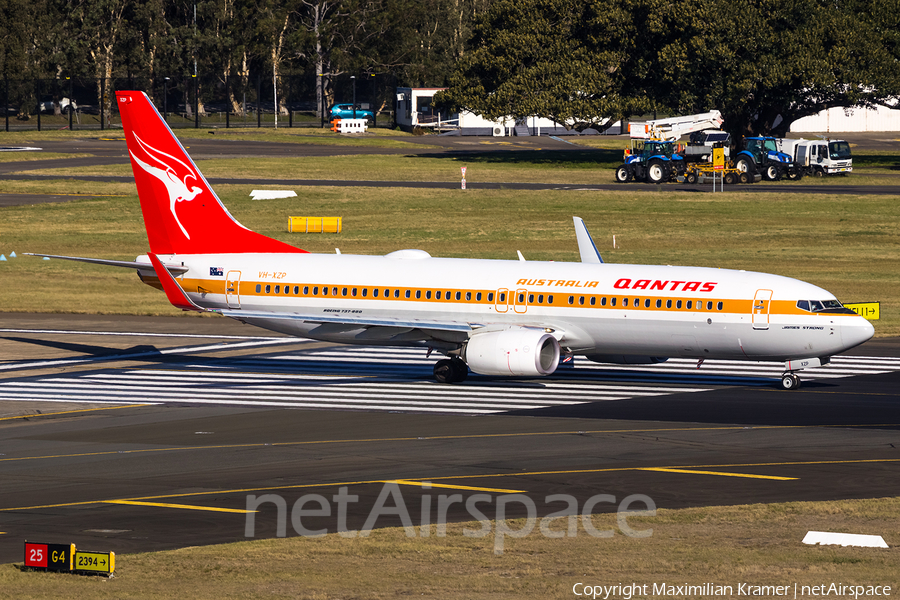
x=176 y=183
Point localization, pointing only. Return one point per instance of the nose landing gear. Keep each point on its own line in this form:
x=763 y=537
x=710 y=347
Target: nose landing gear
x=790 y=381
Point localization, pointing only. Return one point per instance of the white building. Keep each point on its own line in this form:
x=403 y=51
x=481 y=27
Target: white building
x=414 y=109
x=849 y=120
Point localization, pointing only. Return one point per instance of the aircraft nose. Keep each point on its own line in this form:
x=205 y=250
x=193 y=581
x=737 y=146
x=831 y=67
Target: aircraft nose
x=859 y=332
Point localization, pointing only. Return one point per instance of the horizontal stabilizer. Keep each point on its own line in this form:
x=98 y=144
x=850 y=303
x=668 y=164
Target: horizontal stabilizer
x=176 y=269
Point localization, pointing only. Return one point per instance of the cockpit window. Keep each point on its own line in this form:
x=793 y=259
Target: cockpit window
x=820 y=306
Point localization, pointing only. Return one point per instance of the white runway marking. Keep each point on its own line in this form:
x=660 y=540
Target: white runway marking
x=388 y=379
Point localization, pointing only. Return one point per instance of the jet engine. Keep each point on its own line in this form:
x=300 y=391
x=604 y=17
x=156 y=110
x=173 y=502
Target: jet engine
x=516 y=351
x=626 y=359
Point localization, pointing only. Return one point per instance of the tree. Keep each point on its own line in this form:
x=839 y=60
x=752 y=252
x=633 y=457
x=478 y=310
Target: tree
x=763 y=63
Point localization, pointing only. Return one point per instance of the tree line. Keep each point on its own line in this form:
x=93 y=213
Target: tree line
x=589 y=63
x=763 y=63
x=417 y=41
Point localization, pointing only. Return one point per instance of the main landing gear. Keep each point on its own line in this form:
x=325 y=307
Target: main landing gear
x=450 y=370
x=790 y=381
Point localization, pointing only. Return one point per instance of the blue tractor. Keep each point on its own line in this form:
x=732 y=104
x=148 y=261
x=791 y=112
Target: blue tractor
x=653 y=161
x=761 y=155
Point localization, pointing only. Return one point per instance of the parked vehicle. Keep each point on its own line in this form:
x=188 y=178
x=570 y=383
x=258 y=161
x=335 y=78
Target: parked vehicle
x=345 y=111
x=820 y=157
x=652 y=161
x=761 y=155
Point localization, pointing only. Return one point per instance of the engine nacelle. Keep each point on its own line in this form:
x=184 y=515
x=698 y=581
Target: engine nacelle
x=626 y=359
x=518 y=351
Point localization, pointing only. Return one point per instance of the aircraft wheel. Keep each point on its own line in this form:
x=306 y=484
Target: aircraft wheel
x=460 y=370
x=450 y=371
x=790 y=381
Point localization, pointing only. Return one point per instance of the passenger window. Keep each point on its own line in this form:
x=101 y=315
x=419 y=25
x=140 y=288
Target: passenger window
x=324 y=291
x=668 y=304
x=624 y=301
x=719 y=306
x=571 y=299
x=658 y=303
x=503 y=297
x=647 y=303
x=268 y=289
x=603 y=301
x=365 y=292
x=258 y=288
x=593 y=300
x=550 y=299
x=490 y=296
x=277 y=289
x=477 y=296
x=530 y=298
x=305 y=290
x=709 y=305
x=343 y=291
x=468 y=296
x=581 y=300
x=397 y=294
x=407 y=293
x=287 y=290
x=689 y=304
x=540 y=298
x=374 y=293
x=521 y=298
x=428 y=295
x=418 y=294
x=437 y=295
x=334 y=291
x=612 y=301
x=678 y=304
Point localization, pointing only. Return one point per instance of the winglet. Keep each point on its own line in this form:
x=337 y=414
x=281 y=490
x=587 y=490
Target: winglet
x=586 y=247
x=173 y=291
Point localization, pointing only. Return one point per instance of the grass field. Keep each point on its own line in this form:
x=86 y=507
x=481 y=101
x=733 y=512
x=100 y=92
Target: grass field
x=755 y=545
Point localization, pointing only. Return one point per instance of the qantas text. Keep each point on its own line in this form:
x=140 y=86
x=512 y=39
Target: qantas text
x=672 y=286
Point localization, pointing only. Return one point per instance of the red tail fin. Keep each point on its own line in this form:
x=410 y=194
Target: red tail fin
x=181 y=212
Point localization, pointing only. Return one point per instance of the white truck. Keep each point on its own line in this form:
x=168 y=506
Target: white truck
x=819 y=157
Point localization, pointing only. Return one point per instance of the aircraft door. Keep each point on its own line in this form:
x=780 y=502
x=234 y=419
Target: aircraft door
x=233 y=289
x=521 y=301
x=762 y=302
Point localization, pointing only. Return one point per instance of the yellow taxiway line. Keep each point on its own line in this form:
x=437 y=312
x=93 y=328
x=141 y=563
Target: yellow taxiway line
x=182 y=506
x=720 y=473
x=69 y=412
x=428 y=484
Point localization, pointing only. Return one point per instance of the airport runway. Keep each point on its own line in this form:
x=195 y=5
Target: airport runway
x=136 y=434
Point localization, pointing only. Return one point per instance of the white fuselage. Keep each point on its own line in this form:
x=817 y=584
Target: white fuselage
x=592 y=309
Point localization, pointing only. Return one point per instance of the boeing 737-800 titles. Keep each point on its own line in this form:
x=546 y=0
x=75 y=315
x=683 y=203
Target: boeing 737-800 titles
x=495 y=317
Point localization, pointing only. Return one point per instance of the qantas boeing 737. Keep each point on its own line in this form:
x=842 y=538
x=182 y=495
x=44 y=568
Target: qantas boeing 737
x=495 y=317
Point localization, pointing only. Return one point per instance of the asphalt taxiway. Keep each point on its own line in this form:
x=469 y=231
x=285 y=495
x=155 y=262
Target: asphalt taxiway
x=138 y=434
